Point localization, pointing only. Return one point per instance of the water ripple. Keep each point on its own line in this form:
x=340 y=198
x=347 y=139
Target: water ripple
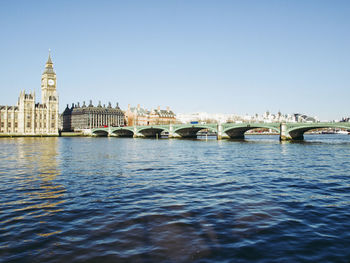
x=112 y=200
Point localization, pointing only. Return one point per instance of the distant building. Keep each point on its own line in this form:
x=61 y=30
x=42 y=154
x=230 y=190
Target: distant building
x=77 y=118
x=303 y=118
x=267 y=117
x=204 y=117
x=139 y=116
x=29 y=117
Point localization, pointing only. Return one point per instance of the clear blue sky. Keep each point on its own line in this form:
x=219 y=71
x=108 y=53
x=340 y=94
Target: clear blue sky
x=215 y=56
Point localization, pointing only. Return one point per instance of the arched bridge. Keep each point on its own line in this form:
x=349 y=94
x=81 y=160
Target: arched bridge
x=295 y=131
x=237 y=130
x=287 y=131
x=173 y=130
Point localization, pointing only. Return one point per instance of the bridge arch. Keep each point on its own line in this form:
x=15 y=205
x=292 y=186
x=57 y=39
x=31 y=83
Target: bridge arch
x=151 y=132
x=100 y=133
x=297 y=133
x=122 y=132
x=190 y=131
x=237 y=131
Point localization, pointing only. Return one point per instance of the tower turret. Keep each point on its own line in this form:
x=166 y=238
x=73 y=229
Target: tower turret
x=48 y=82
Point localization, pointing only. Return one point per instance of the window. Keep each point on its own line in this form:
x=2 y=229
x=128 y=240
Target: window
x=9 y=125
x=2 y=125
x=52 y=125
x=16 y=125
x=28 y=124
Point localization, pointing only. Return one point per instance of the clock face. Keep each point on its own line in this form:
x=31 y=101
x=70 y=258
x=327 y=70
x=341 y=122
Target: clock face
x=51 y=82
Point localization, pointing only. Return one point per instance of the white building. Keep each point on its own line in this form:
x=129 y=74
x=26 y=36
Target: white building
x=204 y=117
x=267 y=117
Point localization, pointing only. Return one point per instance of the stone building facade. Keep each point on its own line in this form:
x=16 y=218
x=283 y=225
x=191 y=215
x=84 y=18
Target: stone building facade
x=138 y=116
x=29 y=117
x=78 y=118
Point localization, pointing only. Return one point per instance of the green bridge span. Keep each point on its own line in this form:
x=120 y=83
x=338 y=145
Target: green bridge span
x=287 y=131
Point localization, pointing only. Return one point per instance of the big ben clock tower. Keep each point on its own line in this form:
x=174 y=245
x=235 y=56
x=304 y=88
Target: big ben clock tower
x=48 y=82
x=49 y=97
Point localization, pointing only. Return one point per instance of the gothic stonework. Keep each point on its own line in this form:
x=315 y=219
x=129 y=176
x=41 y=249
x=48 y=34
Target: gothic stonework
x=30 y=118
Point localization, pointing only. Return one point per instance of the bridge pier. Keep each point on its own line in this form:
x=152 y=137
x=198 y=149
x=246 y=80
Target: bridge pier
x=284 y=134
x=171 y=131
x=135 y=132
x=219 y=132
x=294 y=135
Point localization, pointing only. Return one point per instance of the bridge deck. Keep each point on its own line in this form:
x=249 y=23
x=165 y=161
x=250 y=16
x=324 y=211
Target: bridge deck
x=287 y=131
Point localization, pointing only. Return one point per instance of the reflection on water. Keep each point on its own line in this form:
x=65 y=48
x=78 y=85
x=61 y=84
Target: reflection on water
x=33 y=164
x=139 y=200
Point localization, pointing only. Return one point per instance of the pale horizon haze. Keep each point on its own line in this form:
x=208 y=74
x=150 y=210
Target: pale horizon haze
x=239 y=57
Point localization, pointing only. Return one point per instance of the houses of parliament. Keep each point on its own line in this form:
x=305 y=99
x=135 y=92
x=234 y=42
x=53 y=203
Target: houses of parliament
x=29 y=117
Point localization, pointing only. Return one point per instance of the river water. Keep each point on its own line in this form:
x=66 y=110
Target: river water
x=147 y=200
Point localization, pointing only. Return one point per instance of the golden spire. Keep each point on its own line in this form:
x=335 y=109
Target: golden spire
x=49 y=65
